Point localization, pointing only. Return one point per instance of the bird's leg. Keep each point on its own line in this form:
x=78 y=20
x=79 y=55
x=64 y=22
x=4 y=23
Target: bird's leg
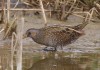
x=50 y=49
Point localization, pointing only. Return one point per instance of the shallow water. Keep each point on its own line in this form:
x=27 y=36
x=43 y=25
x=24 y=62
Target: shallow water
x=67 y=61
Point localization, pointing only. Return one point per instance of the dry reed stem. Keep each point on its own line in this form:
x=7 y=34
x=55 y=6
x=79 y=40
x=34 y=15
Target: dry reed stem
x=13 y=46
x=1 y=30
x=97 y=11
x=91 y=13
x=2 y=13
x=0 y=62
x=69 y=11
x=83 y=17
x=21 y=9
x=3 y=7
x=43 y=12
x=56 y=4
x=63 y=11
x=20 y=48
x=8 y=30
x=87 y=16
x=27 y=3
x=16 y=4
x=8 y=10
x=98 y=5
x=2 y=4
x=12 y=51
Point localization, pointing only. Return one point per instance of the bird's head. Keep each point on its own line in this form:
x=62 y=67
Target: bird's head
x=30 y=33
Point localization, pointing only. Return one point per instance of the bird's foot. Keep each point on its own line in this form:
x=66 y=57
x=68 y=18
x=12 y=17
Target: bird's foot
x=49 y=49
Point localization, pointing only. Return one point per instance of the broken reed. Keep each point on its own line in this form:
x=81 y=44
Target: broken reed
x=20 y=48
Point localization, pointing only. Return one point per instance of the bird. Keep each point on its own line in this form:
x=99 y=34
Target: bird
x=56 y=35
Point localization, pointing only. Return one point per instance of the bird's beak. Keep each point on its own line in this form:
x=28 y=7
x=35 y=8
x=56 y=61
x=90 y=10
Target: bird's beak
x=24 y=36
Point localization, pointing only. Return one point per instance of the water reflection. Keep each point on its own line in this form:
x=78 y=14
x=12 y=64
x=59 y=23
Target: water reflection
x=55 y=61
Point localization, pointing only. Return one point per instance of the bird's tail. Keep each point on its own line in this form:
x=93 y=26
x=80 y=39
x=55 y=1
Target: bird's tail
x=81 y=26
x=85 y=21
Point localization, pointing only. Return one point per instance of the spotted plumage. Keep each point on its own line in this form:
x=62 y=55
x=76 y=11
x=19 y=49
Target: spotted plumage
x=56 y=35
